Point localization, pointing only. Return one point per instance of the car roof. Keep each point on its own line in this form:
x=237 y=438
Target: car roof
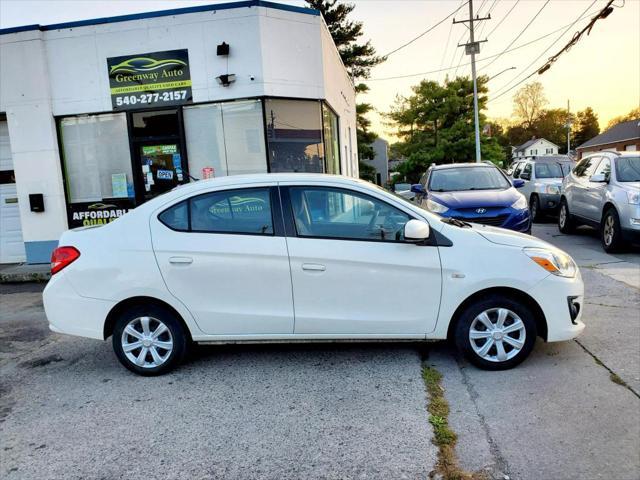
x=550 y=159
x=461 y=165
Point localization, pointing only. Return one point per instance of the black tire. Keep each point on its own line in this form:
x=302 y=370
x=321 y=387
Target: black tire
x=534 y=208
x=611 y=224
x=566 y=223
x=493 y=301
x=175 y=333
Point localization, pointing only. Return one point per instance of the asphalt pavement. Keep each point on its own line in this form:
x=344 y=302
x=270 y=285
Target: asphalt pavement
x=68 y=410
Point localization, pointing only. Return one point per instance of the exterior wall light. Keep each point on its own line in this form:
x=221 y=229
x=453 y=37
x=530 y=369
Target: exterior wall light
x=226 y=79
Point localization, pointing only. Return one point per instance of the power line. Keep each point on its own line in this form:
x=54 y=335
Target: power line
x=481 y=59
x=521 y=32
x=525 y=69
x=483 y=26
x=604 y=13
x=425 y=32
x=503 y=19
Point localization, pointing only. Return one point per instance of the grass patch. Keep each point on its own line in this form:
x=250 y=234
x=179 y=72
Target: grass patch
x=444 y=438
x=616 y=379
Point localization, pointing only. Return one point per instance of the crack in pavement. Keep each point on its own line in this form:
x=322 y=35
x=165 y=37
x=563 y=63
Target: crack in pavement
x=501 y=466
x=601 y=363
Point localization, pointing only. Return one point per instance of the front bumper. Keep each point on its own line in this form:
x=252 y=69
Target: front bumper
x=504 y=217
x=549 y=201
x=554 y=295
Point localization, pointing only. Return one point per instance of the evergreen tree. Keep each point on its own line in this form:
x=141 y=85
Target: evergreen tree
x=359 y=59
x=586 y=126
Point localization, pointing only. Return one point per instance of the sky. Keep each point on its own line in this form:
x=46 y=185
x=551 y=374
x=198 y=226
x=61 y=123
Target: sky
x=601 y=71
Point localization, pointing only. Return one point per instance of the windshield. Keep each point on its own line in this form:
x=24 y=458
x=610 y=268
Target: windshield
x=401 y=187
x=552 y=170
x=467 y=178
x=628 y=169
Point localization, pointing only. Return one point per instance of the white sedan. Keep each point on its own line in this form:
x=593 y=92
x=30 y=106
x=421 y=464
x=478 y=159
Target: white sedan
x=296 y=257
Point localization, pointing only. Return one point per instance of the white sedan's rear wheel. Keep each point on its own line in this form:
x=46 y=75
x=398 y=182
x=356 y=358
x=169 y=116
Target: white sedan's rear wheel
x=149 y=340
x=496 y=333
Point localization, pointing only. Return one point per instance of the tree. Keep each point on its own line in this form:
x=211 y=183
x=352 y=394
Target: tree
x=435 y=124
x=358 y=58
x=632 y=115
x=529 y=103
x=586 y=126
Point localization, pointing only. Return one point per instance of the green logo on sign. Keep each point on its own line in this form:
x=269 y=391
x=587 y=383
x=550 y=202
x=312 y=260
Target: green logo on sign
x=144 y=64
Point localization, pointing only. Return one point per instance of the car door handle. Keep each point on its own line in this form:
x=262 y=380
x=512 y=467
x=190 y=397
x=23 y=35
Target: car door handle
x=180 y=260
x=314 y=267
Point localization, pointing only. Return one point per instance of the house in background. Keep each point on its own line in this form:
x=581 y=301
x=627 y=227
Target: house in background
x=380 y=161
x=624 y=136
x=534 y=148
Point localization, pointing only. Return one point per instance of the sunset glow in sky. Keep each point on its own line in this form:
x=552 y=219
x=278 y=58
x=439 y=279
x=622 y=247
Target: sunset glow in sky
x=602 y=71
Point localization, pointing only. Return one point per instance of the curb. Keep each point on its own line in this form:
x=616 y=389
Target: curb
x=25 y=277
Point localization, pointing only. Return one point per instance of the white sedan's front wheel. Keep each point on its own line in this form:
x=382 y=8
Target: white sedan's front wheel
x=496 y=333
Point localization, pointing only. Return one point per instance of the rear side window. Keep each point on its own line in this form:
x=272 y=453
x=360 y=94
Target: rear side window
x=176 y=217
x=246 y=211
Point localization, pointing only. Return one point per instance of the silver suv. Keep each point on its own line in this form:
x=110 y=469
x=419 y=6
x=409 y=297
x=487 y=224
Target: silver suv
x=542 y=177
x=603 y=190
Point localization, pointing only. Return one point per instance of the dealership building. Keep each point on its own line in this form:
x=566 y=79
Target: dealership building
x=99 y=116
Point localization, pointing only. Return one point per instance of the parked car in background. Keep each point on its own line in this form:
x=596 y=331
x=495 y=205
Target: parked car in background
x=404 y=190
x=474 y=192
x=603 y=191
x=542 y=178
x=303 y=257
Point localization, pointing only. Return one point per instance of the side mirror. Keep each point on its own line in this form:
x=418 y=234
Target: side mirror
x=518 y=183
x=417 y=188
x=416 y=231
x=598 y=178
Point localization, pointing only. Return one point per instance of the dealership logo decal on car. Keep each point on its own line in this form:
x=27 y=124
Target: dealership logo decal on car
x=481 y=210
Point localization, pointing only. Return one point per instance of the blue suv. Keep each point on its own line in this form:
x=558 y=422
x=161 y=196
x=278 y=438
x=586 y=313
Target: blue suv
x=474 y=192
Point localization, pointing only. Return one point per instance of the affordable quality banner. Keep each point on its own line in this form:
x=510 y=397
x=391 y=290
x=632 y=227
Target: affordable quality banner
x=149 y=80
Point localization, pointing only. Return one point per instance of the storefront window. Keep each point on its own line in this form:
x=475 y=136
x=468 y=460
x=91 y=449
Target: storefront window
x=331 y=146
x=294 y=135
x=97 y=160
x=226 y=137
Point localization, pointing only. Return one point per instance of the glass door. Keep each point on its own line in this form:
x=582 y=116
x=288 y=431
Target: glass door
x=161 y=167
x=158 y=150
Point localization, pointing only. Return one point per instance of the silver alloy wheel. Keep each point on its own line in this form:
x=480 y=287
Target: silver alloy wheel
x=147 y=342
x=563 y=215
x=497 y=335
x=609 y=230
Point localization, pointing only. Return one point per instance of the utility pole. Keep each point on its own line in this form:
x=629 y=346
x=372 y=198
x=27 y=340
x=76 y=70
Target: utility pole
x=568 y=125
x=472 y=48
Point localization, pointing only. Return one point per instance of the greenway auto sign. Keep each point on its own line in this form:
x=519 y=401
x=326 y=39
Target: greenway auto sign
x=149 y=80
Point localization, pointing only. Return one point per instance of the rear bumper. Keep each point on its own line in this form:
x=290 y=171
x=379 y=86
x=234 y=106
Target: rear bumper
x=553 y=295
x=69 y=313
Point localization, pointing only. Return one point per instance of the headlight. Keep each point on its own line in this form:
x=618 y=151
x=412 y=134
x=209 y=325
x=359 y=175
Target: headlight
x=553 y=261
x=520 y=204
x=633 y=197
x=436 y=207
x=552 y=189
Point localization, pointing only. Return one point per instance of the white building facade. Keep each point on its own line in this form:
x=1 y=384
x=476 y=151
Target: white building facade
x=98 y=116
x=534 y=148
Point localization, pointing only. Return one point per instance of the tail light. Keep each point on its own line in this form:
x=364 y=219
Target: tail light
x=63 y=256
